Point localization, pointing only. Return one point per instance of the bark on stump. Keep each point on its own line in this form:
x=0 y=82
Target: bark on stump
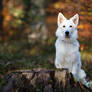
x=43 y=80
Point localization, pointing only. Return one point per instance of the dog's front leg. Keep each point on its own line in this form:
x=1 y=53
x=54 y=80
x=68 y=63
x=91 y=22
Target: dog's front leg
x=75 y=71
x=58 y=64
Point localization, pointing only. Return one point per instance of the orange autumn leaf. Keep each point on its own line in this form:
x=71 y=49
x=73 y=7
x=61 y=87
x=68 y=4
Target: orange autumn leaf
x=8 y=18
x=81 y=47
x=80 y=26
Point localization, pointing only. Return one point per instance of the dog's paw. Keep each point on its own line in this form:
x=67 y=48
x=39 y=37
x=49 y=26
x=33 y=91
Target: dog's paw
x=58 y=66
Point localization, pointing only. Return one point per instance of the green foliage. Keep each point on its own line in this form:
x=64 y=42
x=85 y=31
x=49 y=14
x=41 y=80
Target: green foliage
x=29 y=13
x=19 y=13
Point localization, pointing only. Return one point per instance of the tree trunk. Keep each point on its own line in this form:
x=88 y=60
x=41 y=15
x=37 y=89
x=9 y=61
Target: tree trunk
x=1 y=16
x=38 y=25
x=43 y=80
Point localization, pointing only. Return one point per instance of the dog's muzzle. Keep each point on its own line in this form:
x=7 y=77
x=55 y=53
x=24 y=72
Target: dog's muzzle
x=67 y=35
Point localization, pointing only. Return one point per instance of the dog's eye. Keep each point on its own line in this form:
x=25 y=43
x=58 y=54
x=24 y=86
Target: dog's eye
x=63 y=25
x=70 y=26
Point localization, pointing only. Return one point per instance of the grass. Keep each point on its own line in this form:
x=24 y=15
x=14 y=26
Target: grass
x=23 y=55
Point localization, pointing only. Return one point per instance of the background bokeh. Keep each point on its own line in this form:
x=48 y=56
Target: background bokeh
x=27 y=33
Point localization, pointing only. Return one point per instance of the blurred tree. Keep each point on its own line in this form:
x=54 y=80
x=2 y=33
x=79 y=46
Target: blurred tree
x=15 y=17
x=19 y=14
x=38 y=25
x=1 y=17
x=27 y=4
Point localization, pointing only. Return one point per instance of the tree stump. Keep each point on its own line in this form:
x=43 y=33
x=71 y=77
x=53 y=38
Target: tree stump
x=43 y=80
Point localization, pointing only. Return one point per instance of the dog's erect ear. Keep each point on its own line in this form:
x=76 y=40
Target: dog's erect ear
x=75 y=19
x=61 y=18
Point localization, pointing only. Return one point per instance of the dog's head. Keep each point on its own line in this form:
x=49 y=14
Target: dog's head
x=67 y=28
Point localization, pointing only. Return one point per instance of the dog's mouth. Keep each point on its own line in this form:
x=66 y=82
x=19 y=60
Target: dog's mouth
x=67 y=36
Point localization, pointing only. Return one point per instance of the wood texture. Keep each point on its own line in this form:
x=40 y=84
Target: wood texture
x=43 y=80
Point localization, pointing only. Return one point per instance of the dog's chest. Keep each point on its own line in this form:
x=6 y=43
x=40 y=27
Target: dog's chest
x=66 y=48
x=66 y=51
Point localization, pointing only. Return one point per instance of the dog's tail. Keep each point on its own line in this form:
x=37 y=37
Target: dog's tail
x=82 y=76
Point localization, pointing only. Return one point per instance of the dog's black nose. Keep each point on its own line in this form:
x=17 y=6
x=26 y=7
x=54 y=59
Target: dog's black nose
x=67 y=33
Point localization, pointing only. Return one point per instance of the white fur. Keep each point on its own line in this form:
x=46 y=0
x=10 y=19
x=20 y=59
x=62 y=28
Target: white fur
x=67 y=49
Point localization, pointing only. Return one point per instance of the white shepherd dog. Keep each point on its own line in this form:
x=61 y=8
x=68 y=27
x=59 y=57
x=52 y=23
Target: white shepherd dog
x=67 y=47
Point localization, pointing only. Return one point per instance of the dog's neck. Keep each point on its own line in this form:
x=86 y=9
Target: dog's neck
x=68 y=41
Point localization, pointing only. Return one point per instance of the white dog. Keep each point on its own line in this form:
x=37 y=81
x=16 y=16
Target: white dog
x=67 y=47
